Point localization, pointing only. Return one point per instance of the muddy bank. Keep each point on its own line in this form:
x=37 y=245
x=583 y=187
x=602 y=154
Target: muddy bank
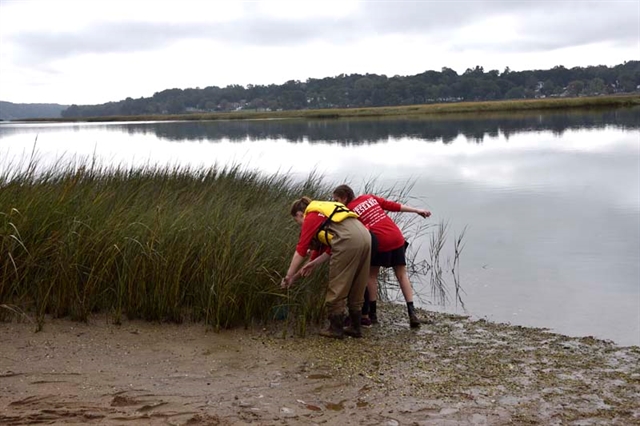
x=453 y=371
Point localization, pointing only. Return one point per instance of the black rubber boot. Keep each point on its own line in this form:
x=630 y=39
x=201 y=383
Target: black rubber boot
x=365 y=304
x=335 y=330
x=373 y=312
x=414 y=321
x=355 y=329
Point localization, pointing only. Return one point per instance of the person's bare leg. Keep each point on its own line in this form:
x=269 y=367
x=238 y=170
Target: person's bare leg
x=372 y=285
x=407 y=292
x=403 y=278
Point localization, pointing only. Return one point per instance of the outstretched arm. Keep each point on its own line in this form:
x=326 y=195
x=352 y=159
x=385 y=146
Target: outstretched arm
x=409 y=209
x=394 y=206
x=291 y=276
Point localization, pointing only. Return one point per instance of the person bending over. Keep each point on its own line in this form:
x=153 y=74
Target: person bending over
x=349 y=241
x=391 y=243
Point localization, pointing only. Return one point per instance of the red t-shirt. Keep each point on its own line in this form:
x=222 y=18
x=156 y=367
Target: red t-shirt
x=312 y=223
x=370 y=209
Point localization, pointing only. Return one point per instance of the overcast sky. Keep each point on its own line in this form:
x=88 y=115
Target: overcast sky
x=88 y=52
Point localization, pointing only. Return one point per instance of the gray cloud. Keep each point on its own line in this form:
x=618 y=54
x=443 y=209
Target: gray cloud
x=543 y=26
x=617 y=23
x=34 y=47
x=103 y=38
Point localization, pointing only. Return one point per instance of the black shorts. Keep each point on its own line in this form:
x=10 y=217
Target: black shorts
x=389 y=259
x=374 y=246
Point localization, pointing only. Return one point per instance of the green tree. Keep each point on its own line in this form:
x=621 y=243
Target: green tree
x=418 y=91
x=363 y=89
x=575 y=88
x=595 y=87
x=175 y=106
x=448 y=76
x=626 y=82
x=549 y=88
x=442 y=92
x=515 y=93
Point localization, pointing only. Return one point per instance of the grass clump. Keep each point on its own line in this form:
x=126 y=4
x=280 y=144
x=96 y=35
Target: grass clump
x=162 y=244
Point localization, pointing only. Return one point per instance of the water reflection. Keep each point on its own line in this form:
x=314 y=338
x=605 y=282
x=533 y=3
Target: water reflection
x=475 y=128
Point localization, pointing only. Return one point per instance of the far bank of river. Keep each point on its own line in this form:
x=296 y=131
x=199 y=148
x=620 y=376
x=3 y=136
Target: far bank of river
x=502 y=106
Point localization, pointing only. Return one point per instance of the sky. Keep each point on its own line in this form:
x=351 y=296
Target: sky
x=91 y=52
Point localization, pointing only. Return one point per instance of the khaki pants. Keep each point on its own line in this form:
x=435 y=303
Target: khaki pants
x=349 y=265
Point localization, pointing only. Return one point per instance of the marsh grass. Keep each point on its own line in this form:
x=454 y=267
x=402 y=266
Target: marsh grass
x=159 y=244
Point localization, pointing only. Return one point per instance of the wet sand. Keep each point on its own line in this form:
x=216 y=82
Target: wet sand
x=453 y=371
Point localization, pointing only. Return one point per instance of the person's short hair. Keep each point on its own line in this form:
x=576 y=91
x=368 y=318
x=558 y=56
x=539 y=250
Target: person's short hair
x=344 y=191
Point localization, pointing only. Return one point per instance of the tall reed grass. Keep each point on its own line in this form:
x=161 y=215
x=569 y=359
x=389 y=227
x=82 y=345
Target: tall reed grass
x=161 y=244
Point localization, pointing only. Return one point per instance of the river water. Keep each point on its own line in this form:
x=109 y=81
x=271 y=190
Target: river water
x=550 y=202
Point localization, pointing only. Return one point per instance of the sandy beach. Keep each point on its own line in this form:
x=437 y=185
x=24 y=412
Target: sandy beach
x=453 y=371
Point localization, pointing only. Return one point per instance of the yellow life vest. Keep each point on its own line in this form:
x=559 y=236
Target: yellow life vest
x=334 y=212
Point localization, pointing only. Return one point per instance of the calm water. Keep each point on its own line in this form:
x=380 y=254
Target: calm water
x=551 y=202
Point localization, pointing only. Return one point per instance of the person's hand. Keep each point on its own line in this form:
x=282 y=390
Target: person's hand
x=424 y=213
x=286 y=282
x=307 y=269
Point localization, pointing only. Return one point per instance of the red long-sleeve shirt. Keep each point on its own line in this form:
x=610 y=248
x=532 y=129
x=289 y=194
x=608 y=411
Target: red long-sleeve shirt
x=310 y=227
x=371 y=212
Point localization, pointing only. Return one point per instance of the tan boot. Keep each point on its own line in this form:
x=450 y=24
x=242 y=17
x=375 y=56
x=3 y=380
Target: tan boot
x=335 y=330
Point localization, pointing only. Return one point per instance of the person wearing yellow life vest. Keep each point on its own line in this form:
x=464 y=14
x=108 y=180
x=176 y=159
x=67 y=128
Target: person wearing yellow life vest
x=338 y=228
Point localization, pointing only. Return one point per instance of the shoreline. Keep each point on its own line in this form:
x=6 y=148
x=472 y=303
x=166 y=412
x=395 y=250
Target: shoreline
x=452 y=371
x=427 y=110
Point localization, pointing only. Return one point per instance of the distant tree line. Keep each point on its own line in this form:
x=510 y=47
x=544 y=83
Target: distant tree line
x=372 y=90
